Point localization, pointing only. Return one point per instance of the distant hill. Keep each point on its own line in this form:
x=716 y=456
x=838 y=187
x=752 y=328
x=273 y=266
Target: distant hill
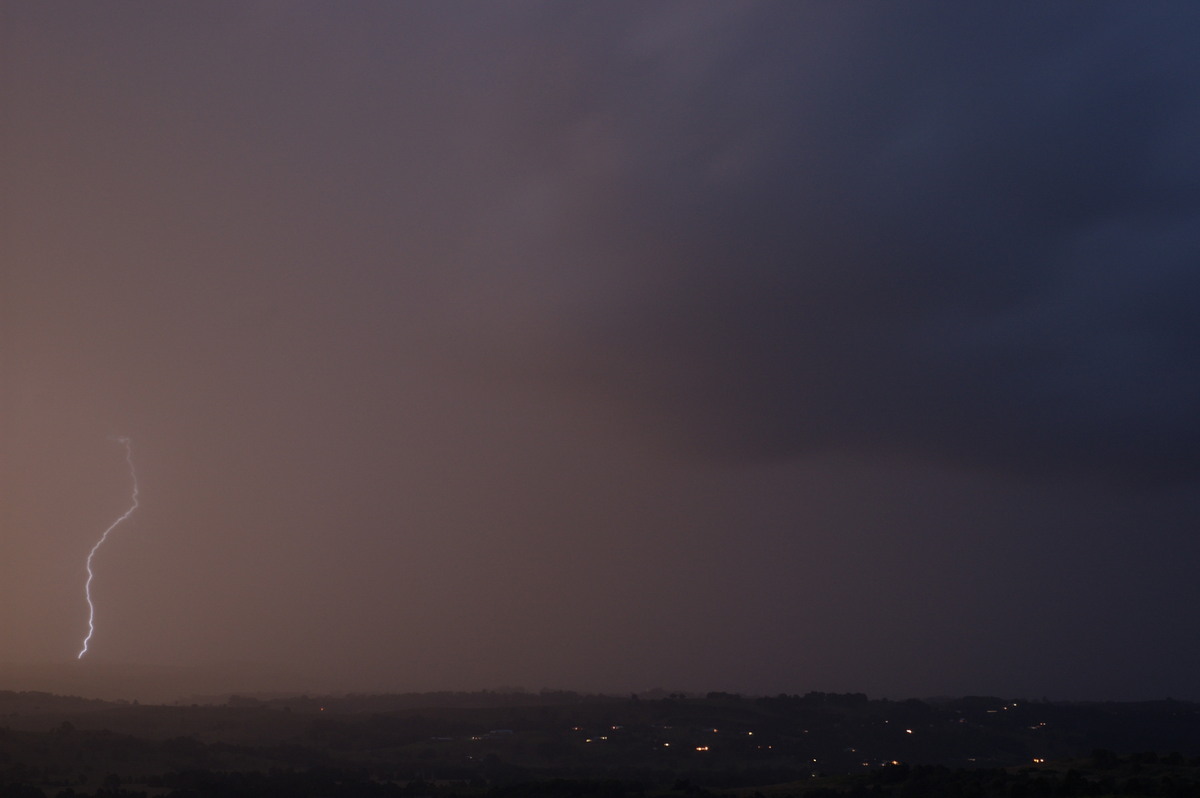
x=564 y=743
x=91 y=678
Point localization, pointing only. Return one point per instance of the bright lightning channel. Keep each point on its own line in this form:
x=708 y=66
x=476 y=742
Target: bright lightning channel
x=87 y=587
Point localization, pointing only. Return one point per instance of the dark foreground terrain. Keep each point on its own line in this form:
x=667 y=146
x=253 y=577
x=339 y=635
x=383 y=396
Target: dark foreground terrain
x=566 y=744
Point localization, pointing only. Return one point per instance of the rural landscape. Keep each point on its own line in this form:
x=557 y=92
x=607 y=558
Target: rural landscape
x=794 y=398
x=561 y=743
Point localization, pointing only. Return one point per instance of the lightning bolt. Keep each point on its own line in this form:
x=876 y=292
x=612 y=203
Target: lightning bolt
x=87 y=586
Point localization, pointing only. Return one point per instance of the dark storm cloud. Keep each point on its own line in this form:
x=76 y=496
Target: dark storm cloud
x=756 y=230
x=953 y=232
x=658 y=331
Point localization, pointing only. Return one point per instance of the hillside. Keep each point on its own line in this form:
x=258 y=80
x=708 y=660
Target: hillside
x=473 y=742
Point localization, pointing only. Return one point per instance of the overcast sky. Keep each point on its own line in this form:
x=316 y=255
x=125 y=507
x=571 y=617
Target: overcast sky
x=761 y=347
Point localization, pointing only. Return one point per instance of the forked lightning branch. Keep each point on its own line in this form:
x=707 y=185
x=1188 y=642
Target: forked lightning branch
x=87 y=586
